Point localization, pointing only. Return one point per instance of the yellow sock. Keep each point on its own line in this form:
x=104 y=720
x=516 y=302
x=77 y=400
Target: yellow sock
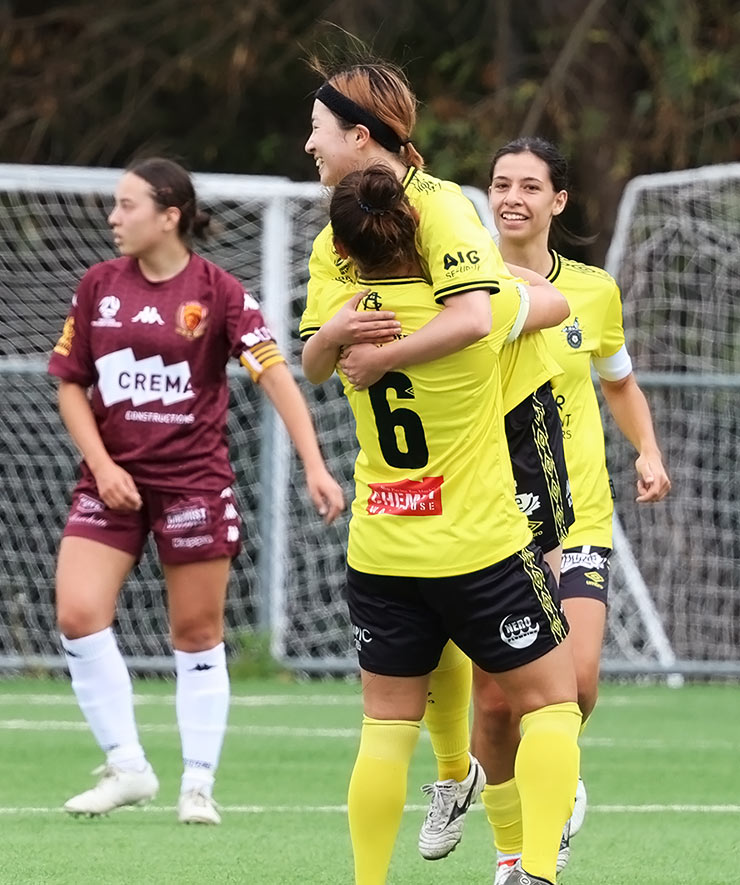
x=584 y=724
x=377 y=793
x=447 y=716
x=546 y=771
x=504 y=811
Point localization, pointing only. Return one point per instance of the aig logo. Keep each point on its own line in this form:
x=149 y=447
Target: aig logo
x=360 y=635
x=459 y=258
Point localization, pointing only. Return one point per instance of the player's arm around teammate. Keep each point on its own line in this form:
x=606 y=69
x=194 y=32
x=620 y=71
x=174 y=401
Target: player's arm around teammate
x=527 y=194
x=427 y=561
x=149 y=334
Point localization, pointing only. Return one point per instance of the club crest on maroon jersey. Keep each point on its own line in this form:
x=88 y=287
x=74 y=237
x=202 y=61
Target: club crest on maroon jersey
x=191 y=319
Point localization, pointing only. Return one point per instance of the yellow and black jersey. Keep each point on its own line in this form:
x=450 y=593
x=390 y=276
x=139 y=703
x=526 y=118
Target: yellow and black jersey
x=592 y=334
x=434 y=487
x=526 y=364
x=456 y=251
x=458 y=255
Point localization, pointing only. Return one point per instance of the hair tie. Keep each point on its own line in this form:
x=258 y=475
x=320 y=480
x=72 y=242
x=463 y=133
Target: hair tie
x=371 y=210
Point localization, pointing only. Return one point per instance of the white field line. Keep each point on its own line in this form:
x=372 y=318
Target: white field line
x=268 y=700
x=291 y=731
x=171 y=728
x=342 y=809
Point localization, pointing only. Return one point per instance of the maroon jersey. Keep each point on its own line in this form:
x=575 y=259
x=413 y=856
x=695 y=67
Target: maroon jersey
x=155 y=356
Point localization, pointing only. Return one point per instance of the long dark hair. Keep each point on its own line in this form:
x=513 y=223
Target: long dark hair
x=558 y=168
x=373 y=220
x=171 y=185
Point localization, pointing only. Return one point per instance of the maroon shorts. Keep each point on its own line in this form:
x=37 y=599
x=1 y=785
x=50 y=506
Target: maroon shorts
x=187 y=527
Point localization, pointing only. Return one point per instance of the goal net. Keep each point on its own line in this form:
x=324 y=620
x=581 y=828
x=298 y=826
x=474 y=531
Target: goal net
x=676 y=255
x=289 y=577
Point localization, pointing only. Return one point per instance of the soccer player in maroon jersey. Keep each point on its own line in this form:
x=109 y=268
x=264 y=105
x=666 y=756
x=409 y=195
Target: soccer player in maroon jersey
x=150 y=334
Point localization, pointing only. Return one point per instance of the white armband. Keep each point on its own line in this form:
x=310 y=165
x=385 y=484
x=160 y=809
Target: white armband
x=521 y=317
x=614 y=367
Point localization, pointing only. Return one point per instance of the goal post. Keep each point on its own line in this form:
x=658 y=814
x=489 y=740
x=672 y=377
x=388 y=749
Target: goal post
x=676 y=255
x=289 y=578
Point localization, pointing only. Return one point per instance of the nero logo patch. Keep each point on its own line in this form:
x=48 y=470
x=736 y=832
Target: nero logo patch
x=122 y=377
x=519 y=632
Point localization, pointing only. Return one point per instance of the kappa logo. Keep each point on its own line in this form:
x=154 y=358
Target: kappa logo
x=149 y=315
x=528 y=503
x=574 y=334
x=122 y=377
x=262 y=333
x=519 y=632
x=232 y=534
x=108 y=307
x=230 y=512
x=249 y=302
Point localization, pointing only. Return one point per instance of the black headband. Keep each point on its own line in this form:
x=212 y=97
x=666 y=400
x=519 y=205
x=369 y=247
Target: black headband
x=351 y=112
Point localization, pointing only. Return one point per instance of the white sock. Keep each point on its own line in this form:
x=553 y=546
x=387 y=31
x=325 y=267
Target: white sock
x=202 y=704
x=103 y=689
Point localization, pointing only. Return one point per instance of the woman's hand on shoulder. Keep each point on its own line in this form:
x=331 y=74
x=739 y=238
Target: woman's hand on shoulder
x=352 y=326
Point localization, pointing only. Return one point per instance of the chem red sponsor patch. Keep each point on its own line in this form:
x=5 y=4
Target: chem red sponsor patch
x=407 y=497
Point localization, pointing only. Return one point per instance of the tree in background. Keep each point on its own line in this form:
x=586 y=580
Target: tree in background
x=624 y=86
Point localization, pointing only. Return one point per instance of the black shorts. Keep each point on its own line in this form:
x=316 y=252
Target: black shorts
x=535 y=437
x=502 y=616
x=584 y=572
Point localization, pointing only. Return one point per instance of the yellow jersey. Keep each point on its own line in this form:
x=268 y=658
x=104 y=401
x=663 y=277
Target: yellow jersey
x=457 y=255
x=434 y=488
x=592 y=334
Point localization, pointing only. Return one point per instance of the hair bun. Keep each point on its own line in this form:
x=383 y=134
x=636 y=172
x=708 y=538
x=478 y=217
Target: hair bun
x=201 y=224
x=378 y=189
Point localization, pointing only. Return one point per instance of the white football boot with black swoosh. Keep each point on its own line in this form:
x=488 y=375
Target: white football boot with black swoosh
x=443 y=826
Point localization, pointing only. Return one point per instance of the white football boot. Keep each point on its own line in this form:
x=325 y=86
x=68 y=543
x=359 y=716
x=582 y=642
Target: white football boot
x=115 y=789
x=443 y=826
x=197 y=807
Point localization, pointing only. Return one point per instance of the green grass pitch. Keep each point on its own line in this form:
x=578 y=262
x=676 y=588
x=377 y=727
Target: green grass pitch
x=662 y=767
